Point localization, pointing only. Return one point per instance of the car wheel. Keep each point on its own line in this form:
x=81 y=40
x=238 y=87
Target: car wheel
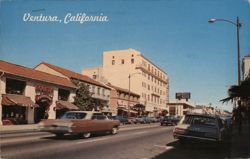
x=86 y=135
x=114 y=130
x=59 y=135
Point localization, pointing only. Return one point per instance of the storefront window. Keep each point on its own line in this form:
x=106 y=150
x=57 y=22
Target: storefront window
x=14 y=115
x=15 y=86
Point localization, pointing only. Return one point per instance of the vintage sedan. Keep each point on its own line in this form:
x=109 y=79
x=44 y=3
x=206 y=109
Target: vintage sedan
x=169 y=120
x=200 y=127
x=81 y=123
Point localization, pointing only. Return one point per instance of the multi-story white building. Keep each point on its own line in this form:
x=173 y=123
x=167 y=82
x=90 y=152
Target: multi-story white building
x=246 y=66
x=121 y=67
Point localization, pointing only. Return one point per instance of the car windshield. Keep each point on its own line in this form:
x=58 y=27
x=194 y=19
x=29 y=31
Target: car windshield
x=199 y=120
x=73 y=115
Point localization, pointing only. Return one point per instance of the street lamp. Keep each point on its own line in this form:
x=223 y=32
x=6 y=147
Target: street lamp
x=129 y=76
x=238 y=25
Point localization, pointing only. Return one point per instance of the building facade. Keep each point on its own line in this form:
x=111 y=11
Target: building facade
x=246 y=66
x=129 y=69
x=100 y=92
x=27 y=95
x=122 y=101
x=179 y=108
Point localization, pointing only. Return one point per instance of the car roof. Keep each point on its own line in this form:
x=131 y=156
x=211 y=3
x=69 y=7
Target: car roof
x=88 y=112
x=205 y=115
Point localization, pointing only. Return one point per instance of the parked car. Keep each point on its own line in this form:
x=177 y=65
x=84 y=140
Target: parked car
x=153 y=119
x=143 y=120
x=169 y=120
x=122 y=119
x=132 y=120
x=82 y=123
x=200 y=127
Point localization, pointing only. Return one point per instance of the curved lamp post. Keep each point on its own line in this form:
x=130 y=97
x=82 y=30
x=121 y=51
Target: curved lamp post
x=238 y=25
x=129 y=76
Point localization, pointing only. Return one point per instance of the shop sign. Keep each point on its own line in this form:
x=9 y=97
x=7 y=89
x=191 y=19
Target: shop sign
x=44 y=92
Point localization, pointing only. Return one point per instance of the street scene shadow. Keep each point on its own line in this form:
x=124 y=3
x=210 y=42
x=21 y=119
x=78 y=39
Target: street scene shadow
x=193 y=150
x=75 y=137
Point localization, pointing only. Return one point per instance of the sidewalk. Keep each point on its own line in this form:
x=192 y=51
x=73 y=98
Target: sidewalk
x=240 y=143
x=6 y=129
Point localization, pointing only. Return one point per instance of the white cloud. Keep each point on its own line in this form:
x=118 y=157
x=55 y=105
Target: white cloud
x=248 y=1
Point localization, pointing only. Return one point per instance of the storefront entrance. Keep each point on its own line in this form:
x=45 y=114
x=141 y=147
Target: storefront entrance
x=41 y=112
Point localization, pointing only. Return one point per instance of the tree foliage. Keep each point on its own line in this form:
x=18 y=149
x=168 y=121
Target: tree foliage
x=83 y=97
x=140 y=108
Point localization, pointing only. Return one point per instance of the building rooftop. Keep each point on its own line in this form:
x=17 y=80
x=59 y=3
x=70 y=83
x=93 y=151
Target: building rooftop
x=123 y=90
x=18 y=70
x=74 y=75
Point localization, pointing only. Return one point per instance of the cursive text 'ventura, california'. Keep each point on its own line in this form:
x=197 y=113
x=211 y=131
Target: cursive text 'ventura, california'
x=83 y=17
x=68 y=18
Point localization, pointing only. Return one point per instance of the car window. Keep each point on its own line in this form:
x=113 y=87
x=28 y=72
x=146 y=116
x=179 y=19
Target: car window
x=73 y=115
x=199 y=120
x=99 y=117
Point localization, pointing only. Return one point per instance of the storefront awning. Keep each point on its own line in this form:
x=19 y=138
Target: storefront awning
x=17 y=100
x=65 y=105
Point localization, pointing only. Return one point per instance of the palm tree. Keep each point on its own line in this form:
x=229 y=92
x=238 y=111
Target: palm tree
x=242 y=91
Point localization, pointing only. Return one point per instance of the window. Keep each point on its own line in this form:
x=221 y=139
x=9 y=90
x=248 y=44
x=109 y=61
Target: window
x=94 y=76
x=15 y=86
x=132 y=61
x=122 y=61
x=132 y=55
x=149 y=87
x=148 y=97
x=113 y=62
x=73 y=115
x=63 y=94
x=98 y=116
x=93 y=89
x=103 y=92
x=113 y=57
x=98 y=90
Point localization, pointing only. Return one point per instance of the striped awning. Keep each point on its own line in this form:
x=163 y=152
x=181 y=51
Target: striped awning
x=17 y=100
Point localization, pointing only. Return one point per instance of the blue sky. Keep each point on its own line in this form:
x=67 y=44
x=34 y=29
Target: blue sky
x=199 y=57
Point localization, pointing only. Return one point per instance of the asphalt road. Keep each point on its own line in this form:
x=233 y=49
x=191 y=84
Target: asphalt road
x=143 y=141
x=133 y=142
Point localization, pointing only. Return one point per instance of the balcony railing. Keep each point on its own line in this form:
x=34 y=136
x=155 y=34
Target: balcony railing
x=143 y=68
